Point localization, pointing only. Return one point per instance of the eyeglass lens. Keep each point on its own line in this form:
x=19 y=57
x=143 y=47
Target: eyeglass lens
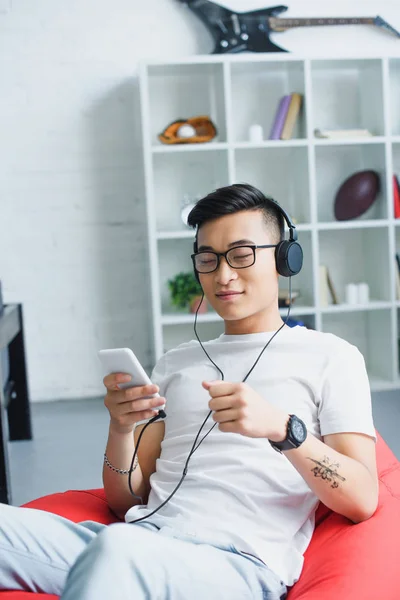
x=237 y=258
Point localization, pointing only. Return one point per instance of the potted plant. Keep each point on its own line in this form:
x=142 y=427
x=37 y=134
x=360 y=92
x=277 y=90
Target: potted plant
x=186 y=292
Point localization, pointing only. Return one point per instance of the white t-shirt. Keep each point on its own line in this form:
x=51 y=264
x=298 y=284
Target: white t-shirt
x=239 y=489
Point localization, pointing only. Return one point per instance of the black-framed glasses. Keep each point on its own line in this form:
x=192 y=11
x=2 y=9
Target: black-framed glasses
x=238 y=257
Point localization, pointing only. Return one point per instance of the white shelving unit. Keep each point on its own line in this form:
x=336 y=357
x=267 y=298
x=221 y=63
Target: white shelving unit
x=302 y=173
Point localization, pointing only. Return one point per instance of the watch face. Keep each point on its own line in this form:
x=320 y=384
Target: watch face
x=298 y=430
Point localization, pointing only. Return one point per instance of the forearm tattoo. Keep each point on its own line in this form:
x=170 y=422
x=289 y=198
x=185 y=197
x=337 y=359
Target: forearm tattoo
x=326 y=469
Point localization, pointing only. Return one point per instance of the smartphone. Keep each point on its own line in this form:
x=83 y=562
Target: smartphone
x=123 y=360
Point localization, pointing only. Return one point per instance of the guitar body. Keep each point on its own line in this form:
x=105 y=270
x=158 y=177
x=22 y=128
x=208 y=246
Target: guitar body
x=237 y=32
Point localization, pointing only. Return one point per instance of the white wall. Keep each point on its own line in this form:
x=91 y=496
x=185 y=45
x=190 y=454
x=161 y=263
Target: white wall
x=72 y=234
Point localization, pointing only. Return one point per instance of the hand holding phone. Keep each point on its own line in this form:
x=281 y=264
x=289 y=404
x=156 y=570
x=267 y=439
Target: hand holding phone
x=123 y=360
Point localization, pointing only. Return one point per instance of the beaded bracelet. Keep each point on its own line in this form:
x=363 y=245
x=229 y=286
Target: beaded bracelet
x=121 y=471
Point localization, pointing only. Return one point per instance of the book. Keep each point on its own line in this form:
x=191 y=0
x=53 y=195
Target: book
x=341 y=133
x=397 y=276
x=326 y=288
x=331 y=288
x=291 y=117
x=323 y=285
x=396 y=197
x=280 y=117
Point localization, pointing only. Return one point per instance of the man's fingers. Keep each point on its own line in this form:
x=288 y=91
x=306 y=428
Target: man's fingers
x=220 y=388
x=221 y=403
x=111 y=381
x=140 y=391
x=224 y=416
x=134 y=406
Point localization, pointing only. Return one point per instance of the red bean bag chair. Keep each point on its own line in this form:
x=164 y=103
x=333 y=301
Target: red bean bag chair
x=343 y=561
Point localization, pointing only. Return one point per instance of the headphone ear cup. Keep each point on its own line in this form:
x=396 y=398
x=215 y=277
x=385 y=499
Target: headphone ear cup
x=194 y=251
x=288 y=258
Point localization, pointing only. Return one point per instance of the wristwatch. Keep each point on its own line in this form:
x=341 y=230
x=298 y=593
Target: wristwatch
x=296 y=433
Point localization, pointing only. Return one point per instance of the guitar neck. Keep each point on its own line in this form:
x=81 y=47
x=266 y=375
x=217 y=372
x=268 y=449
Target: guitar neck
x=277 y=24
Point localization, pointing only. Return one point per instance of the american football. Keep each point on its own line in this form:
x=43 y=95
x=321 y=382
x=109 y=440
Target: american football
x=356 y=194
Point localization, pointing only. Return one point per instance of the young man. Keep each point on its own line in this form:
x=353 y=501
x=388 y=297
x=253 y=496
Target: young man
x=297 y=430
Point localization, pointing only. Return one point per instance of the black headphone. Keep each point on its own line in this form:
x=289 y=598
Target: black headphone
x=288 y=253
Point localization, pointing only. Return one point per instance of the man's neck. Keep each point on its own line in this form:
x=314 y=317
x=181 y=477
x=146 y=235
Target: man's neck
x=254 y=324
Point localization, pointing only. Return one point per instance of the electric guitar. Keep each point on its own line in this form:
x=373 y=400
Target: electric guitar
x=249 y=31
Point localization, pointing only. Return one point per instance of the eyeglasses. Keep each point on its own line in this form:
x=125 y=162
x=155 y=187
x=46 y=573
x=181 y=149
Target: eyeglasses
x=239 y=257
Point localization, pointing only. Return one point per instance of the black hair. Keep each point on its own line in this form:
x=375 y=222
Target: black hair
x=235 y=198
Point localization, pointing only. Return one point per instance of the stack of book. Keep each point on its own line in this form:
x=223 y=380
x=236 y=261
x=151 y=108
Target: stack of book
x=396 y=197
x=286 y=115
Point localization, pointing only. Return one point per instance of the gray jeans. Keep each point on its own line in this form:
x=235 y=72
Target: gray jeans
x=43 y=552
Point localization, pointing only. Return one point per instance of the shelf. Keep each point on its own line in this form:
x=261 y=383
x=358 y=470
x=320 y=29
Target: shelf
x=212 y=317
x=253 y=59
x=349 y=141
x=174 y=257
x=302 y=227
x=297 y=310
x=268 y=169
x=182 y=318
x=184 y=175
x=186 y=91
x=353 y=224
x=212 y=146
x=256 y=90
x=334 y=164
x=180 y=234
x=204 y=147
x=355 y=256
x=303 y=174
x=272 y=144
x=348 y=94
x=176 y=235
x=339 y=308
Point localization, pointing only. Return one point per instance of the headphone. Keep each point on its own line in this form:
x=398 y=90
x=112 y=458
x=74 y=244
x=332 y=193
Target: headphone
x=288 y=253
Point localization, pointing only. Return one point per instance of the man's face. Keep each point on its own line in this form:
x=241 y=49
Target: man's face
x=252 y=303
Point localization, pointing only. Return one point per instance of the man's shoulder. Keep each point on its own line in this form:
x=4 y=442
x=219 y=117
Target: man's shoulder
x=181 y=351
x=173 y=359
x=325 y=342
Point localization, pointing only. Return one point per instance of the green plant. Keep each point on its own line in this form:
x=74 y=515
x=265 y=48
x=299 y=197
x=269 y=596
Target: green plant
x=183 y=287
